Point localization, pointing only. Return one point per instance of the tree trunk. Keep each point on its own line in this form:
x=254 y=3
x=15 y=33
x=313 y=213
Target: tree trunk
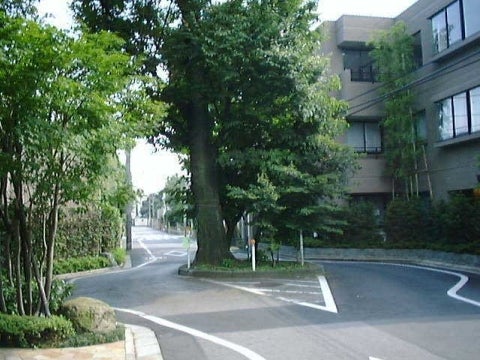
x=212 y=243
x=52 y=233
x=211 y=239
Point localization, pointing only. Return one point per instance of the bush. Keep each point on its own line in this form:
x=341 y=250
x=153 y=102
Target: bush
x=409 y=222
x=457 y=223
x=60 y=291
x=88 y=339
x=362 y=225
x=80 y=264
x=119 y=254
x=33 y=331
x=88 y=232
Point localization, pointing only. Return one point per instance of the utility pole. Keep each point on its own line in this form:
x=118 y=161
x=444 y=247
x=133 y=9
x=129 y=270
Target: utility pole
x=128 y=207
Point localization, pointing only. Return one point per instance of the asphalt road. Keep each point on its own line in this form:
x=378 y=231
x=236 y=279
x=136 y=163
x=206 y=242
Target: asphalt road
x=385 y=311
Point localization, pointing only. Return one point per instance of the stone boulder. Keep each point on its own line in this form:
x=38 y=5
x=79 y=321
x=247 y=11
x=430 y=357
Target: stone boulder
x=89 y=315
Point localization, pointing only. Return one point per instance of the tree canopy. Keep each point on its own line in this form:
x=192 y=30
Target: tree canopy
x=62 y=118
x=250 y=104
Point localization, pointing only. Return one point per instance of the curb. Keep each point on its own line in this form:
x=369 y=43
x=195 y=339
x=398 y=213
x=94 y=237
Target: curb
x=221 y=274
x=141 y=344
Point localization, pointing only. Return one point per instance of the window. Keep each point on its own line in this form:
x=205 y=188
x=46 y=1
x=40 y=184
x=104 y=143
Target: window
x=365 y=136
x=446 y=120
x=417 y=50
x=475 y=109
x=454 y=23
x=361 y=65
x=420 y=126
x=471 y=9
x=439 y=29
x=460 y=114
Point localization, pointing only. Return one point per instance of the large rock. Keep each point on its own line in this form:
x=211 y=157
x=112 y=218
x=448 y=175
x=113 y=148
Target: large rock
x=89 y=315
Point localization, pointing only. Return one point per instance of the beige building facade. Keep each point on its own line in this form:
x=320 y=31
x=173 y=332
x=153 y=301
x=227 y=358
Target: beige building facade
x=446 y=85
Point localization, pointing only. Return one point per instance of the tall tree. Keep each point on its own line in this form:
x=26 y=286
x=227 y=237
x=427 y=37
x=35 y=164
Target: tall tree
x=59 y=123
x=393 y=53
x=235 y=88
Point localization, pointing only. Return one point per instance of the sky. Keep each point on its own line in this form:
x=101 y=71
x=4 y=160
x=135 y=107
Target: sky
x=150 y=169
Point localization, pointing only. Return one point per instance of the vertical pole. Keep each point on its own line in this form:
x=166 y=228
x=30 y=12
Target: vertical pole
x=249 y=234
x=252 y=241
x=302 y=257
x=128 y=207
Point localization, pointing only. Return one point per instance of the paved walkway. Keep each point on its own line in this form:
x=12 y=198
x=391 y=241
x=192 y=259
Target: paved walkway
x=140 y=344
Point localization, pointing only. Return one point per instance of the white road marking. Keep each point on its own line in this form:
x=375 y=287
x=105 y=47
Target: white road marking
x=176 y=253
x=373 y=358
x=249 y=354
x=452 y=292
x=327 y=295
x=150 y=254
x=329 y=306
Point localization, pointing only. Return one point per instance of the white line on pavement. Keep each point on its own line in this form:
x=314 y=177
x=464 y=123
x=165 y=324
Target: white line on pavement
x=249 y=354
x=329 y=306
x=327 y=295
x=150 y=254
x=452 y=292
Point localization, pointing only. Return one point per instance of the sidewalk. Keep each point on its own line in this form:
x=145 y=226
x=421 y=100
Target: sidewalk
x=140 y=344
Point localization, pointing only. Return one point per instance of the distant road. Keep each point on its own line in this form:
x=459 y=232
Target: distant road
x=385 y=312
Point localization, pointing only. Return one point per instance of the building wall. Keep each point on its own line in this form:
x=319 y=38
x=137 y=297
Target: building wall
x=452 y=164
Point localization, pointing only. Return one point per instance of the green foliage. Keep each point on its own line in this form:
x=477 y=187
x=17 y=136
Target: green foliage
x=77 y=264
x=178 y=199
x=393 y=54
x=119 y=254
x=361 y=224
x=89 y=338
x=254 y=100
x=60 y=291
x=447 y=225
x=68 y=103
x=88 y=232
x=33 y=331
x=408 y=221
x=457 y=222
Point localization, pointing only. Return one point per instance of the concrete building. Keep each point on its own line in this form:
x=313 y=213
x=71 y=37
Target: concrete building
x=446 y=85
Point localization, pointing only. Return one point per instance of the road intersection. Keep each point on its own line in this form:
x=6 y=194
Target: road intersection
x=384 y=311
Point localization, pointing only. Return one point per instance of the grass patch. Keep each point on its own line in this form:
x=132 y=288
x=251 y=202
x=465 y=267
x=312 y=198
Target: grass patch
x=235 y=265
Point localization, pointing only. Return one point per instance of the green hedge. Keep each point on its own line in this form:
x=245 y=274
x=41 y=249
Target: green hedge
x=88 y=232
x=84 y=263
x=33 y=331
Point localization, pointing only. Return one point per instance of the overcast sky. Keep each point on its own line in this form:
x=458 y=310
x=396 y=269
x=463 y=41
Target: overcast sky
x=150 y=169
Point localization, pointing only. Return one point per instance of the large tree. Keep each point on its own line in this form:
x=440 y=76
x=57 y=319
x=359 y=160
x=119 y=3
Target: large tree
x=243 y=80
x=59 y=124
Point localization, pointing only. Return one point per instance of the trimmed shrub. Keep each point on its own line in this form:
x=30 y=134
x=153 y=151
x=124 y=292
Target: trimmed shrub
x=362 y=225
x=33 y=331
x=408 y=222
x=88 y=232
x=80 y=264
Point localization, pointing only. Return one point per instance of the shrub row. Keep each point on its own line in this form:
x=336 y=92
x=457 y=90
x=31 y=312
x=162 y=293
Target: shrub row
x=446 y=225
x=88 y=232
x=33 y=331
x=84 y=263
x=417 y=223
